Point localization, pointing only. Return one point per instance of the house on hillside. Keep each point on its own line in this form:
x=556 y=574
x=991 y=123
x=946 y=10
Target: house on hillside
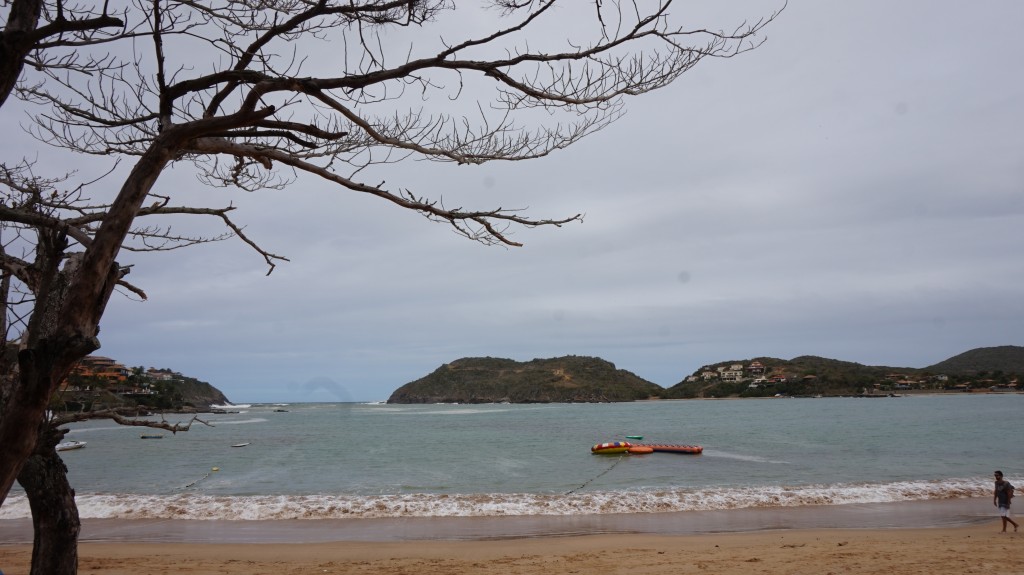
x=101 y=367
x=732 y=374
x=159 y=374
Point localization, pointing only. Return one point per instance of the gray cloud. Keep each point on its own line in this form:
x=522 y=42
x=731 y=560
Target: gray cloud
x=854 y=189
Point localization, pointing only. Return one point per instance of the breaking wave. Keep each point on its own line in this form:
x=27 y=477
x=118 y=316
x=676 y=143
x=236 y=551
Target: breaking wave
x=262 y=507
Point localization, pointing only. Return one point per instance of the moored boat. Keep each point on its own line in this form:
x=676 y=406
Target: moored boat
x=69 y=445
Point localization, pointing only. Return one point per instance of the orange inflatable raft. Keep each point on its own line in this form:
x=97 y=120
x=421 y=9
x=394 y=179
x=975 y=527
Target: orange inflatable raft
x=691 y=449
x=612 y=447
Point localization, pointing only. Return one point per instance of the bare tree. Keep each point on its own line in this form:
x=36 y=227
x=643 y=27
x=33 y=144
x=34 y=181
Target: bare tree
x=41 y=222
x=40 y=204
x=55 y=520
x=258 y=93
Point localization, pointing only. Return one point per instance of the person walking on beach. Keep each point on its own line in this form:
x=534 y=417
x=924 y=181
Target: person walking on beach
x=1001 y=499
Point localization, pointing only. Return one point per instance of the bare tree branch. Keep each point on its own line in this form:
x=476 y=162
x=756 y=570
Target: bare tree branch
x=62 y=26
x=256 y=94
x=126 y=416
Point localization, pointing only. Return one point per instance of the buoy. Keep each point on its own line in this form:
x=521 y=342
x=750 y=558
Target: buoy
x=216 y=468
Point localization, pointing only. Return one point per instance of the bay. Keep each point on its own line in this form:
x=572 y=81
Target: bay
x=331 y=461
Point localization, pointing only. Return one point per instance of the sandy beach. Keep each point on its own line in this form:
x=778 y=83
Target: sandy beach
x=936 y=551
x=934 y=537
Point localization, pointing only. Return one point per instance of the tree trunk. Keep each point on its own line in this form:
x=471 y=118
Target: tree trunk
x=16 y=41
x=42 y=364
x=65 y=320
x=55 y=521
x=40 y=373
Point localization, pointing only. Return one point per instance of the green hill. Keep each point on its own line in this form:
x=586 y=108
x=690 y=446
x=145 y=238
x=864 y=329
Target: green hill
x=569 y=379
x=588 y=379
x=984 y=360
x=981 y=368
x=175 y=393
x=804 y=375
x=189 y=392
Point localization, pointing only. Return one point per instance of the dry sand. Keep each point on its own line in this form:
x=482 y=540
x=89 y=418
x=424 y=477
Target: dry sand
x=935 y=551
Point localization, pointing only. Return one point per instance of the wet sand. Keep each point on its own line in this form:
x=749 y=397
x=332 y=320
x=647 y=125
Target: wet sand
x=940 y=513
x=936 y=551
x=939 y=538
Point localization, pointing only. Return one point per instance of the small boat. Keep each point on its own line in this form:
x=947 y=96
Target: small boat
x=151 y=436
x=69 y=445
x=611 y=447
x=241 y=444
x=636 y=437
x=280 y=411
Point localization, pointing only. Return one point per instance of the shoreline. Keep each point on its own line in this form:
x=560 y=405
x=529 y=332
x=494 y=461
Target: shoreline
x=942 y=537
x=946 y=513
x=936 y=551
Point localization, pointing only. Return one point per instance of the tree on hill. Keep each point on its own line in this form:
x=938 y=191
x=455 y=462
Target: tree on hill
x=245 y=92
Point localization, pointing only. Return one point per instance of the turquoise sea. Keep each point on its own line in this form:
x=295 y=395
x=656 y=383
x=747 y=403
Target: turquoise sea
x=369 y=461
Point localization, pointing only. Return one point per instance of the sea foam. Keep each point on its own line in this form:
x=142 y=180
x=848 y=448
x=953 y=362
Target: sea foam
x=262 y=507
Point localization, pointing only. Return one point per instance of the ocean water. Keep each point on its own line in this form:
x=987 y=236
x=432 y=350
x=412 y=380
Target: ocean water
x=340 y=461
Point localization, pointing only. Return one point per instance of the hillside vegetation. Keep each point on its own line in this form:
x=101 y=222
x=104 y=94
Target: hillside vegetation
x=589 y=379
x=804 y=375
x=493 y=380
x=179 y=393
x=984 y=360
x=982 y=368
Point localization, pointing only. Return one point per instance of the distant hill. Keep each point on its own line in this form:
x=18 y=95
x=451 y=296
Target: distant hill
x=189 y=392
x=590 y=379
x=1005 y=359
x=569 y=379
x=981 y=368
x=172 y=392
x=804 y=375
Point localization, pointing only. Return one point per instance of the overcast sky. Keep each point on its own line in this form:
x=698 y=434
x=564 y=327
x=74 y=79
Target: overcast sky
x=852 y=189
